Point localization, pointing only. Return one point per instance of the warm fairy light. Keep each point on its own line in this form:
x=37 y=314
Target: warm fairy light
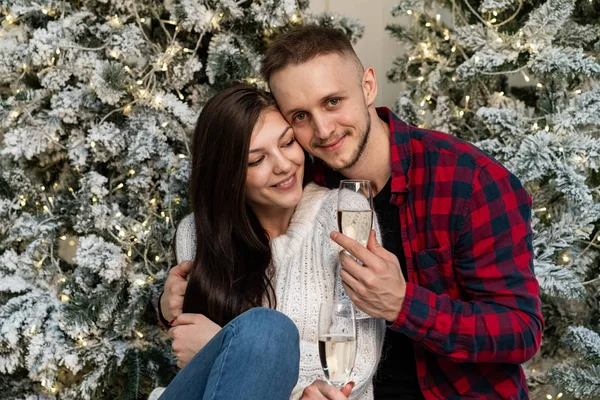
x=428 y=24
x=139 y=334
x=493 y=20
x=13 y=114
x=141 y=282
x=63 y=237
x=127 y=109
x=114 y=54
x=93 y=144
x=142 y=20
x=164 y=124
x=525 y=77
x=558 y=396
x=495 y=13
x=182 y=156
x=131 y=172
x=164 y=67
x=549 y=396
x=157 y=258
x=547 y=128
x=295 y=17
x=540 y=85
x=409 y=12
x=535 y=126
x=157 y=99
x=420 y=79
x=476 y=59
x=566 y=258
x=578 y=91
x=10 y=19
x=438 y=17
x=95 y=199
x=453 y=49
x=499 y=39
x=44 y=11
x=467 y=98
x=561 y=149
x=461 y=113
x=120 y=186
x=64 y=298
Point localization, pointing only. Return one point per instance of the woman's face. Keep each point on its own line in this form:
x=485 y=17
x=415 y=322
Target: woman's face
x=275 y=164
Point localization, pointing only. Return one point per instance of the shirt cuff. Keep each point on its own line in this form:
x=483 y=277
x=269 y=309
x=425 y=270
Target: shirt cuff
x=417 y=315
x=162 y=320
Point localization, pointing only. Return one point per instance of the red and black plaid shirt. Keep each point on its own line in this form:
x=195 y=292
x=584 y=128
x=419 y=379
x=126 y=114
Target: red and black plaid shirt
x=472 y=305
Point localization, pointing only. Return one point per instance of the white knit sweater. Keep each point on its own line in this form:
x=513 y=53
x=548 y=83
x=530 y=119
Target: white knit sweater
x=305 y=261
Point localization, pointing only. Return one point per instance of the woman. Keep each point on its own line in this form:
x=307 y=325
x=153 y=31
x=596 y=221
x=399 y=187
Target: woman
x=263 y=241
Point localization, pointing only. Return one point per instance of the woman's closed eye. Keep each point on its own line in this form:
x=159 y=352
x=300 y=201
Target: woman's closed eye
x=255 y=163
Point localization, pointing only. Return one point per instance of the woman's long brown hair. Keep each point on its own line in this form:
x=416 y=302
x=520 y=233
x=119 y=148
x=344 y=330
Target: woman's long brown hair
x=231 y=271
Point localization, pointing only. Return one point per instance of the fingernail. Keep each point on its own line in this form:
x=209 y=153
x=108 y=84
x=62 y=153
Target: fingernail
x=333 y=234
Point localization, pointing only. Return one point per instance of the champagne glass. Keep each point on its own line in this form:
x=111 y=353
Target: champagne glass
x=337 y=341
x=355 y=220
x=355 y=209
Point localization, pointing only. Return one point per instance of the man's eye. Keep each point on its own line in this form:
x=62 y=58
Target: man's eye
x=300 y=117
x=255 y=163
x=291 y=142
x=334 y=102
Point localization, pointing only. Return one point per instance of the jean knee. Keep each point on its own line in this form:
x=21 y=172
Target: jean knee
x=269 y=334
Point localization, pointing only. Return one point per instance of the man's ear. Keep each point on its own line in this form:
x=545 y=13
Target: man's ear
x=369 y=86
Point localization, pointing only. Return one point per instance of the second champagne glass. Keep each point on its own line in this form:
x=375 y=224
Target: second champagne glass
x=337 y=341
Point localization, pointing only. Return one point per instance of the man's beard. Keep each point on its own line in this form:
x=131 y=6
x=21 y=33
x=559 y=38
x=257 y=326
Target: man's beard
x=364 y=138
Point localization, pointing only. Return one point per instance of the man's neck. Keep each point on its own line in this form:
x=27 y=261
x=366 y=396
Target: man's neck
x=374 y=164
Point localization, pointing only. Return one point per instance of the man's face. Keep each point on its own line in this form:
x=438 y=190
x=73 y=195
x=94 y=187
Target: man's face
x=324 y=101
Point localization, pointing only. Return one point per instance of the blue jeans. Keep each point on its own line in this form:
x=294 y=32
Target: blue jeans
x=255 y=356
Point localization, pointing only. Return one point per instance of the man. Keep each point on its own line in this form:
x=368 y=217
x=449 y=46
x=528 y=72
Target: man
x=454 y=278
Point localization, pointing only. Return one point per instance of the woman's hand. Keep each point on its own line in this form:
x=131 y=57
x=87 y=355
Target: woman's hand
x=320 y=390
x=190 y=333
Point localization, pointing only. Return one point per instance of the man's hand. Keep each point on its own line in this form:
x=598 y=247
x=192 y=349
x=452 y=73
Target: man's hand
x=377 y=287
x=320 y=390
x=171 y=302
x=190 y=333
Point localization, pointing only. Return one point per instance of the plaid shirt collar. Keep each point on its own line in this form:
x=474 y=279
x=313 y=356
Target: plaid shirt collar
x=400 y=140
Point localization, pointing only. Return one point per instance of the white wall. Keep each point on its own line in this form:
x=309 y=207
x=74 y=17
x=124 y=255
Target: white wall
x=376 y=49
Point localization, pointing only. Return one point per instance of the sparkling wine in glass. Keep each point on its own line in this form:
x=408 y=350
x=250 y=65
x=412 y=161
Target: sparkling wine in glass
x=337 y=341
x=355 y=209
x=355 y=220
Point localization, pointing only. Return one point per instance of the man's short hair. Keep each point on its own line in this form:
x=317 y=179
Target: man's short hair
x=303 y=44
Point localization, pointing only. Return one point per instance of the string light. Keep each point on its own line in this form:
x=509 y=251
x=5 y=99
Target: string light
x=127 y=109
x=453 y=49
x=131 y=172
x=467 y=98
x=565 y=258
x=139 y=334
x=535 y=126
x=525 y=76
x=540 y=85
x=64 y=298
x=93 y=144
x=495 y=13
x=438 y=17
x=295 y=17
x=547 y=129
x=578 y=91
x=142 y=20
x=63 y=237
x=461 y=113
x=428 y=24
x=157 y=258
x=114 y=54
x=10 y=19
x=409 y=12
x=44 y=11
x=141 y=282
x=13 y=114
x=71 y=243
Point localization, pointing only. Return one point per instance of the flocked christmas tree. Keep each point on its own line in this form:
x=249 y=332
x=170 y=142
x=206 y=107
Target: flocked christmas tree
x=98 y=99
x=521 y=80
